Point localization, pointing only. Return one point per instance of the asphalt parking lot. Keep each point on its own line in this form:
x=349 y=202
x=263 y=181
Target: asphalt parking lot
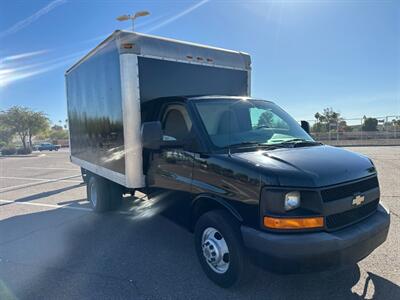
x=53 y=247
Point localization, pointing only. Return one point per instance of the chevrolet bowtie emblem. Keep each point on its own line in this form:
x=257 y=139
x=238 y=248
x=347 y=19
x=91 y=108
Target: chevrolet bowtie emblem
x=357 y=200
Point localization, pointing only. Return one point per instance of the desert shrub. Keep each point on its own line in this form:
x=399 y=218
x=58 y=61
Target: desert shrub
x=24 y=151
x=8 y=150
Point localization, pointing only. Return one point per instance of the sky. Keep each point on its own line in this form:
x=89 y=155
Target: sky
x=306 y=55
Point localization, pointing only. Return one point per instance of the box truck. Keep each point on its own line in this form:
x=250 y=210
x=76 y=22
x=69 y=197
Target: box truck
x=154 y=114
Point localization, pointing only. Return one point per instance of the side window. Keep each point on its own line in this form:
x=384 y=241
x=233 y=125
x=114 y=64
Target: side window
x=176 y=123
x=266 y=118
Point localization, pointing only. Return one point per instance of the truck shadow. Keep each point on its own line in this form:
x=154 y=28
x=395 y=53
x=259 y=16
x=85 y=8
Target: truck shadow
x=45 y=194
x=142 y=255
x=40 y=183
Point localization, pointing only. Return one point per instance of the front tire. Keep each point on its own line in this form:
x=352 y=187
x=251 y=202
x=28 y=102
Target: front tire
x=220 y=249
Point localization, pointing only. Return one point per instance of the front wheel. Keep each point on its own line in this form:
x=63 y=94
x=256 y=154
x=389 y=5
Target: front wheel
x=220 y=249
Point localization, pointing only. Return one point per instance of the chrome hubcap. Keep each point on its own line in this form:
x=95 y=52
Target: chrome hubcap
x=93 y=194
x=215 y=250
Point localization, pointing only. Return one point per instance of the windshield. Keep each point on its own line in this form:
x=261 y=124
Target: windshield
x=238 y=122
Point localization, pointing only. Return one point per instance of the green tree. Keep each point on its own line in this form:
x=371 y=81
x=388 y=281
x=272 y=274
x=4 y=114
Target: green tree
x=58 y=134
x=344 y=127
x=370 y=124
x=56 y=127
x=38 y=124
x=24 y=122
x=396 y=123
x=325 y=119
x=16 y=119
x=269 y=119
x=266 y=118
x=6 y=134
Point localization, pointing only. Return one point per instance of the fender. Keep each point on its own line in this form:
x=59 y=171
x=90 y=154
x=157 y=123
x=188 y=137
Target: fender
x=217 y=200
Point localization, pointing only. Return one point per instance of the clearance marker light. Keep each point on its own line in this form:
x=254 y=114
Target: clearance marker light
x=127 y=46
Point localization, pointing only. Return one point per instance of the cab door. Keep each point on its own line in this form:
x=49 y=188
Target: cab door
x=171 y=168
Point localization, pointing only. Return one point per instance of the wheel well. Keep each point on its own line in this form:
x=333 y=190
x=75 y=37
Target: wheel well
x=205 y=204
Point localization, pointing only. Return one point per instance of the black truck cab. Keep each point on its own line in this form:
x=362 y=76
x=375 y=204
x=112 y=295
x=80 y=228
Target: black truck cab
x=251 y=182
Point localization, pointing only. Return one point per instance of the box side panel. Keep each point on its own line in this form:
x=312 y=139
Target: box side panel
x=95 y=111
x=163 y=78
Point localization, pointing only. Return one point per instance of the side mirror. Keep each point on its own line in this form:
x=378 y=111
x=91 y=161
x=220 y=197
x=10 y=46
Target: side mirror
x=306 y=126
x=151 y=135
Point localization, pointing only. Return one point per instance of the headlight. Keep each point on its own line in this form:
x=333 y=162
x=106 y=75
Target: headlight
x=292 y=200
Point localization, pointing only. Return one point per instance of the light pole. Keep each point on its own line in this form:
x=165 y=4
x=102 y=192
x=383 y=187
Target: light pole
x=133 y=17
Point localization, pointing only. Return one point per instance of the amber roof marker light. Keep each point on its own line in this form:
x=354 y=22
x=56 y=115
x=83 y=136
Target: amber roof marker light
x=133 y=17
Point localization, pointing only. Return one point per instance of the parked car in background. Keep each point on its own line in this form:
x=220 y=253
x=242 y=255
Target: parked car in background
x=48 y=146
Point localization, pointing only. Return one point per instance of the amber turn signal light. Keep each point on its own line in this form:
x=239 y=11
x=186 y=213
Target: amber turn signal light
x=293 y=223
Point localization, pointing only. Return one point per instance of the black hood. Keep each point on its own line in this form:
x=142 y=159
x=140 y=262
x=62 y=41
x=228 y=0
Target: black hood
x=314 y=166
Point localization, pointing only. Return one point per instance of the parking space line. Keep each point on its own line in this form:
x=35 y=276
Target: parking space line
x=40 y=168
x=118 y=212
x=41 y=181
x=47 y=205
x=37 y=179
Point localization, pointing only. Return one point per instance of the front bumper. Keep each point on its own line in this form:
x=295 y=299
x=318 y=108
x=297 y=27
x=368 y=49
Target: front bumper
x=307 y=252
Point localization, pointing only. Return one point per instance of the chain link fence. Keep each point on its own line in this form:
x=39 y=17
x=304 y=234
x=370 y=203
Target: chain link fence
x=356 y=131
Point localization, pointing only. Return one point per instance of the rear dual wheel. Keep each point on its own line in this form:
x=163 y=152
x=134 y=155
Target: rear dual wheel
x=104 y=195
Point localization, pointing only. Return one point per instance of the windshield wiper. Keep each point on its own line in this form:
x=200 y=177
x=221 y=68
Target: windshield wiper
x=298 y=141
x=250 y=144
x=292 y=142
